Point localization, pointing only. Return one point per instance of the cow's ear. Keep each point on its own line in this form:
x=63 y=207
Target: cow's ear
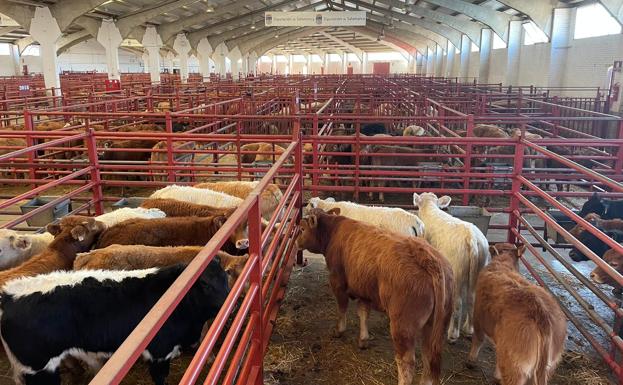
x=334 y=211
x=54 y=228
x=520 y=250
x=220 y=220
x=416 y=200
x=444 y=202
x=493 y=251
x=312 y=220
x=20 y=242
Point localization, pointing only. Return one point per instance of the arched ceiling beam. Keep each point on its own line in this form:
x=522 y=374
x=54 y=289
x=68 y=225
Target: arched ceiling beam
x=311 y=48
x=169 y=30
x=90 y=24
x=615 y=7
x=404 y=35
x=244 y=30
x=418 y=32
x=497 y=21
x=247 y=18
x=127 y=22
x=66 y=11
x=469 y=28
x=21 y=13
x=449 y=33
x=68 y=41
x=350 y=47
x=540 y=11
x=392 y=41
x=274 y=42
x=23 y=43
x=8 y=29
x=246 y=44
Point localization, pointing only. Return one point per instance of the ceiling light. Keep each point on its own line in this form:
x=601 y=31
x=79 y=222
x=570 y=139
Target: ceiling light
x=253 y=25
x=209 y=9
x=276 y=36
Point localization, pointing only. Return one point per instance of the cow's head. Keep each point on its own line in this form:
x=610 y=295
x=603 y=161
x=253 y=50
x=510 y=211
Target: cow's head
x=507 y=253
x=589 y=240
x=233 y=266
x=311 y=237
x=421 y=200
x=12 y=247
x=80 y=231
x=240 y=236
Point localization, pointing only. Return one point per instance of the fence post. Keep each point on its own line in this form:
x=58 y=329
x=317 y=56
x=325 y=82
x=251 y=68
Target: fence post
x=298 y=170
x=618 y=166
x=467 y=161
x=513 y=220
x=170 y=159
x=255 y=278
x=95 y=171
x=315 y=160
x=28 y=126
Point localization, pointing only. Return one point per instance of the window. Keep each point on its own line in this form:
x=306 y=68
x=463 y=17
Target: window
x=594 y=20
x=32 y=50
x=498 y=43
x=281 y=59
x=317 y=59
x=333 y=57
x=352 y=57
x=5 y=49
x=387 y=56
x=266 y=59
x=299 y=59
x=456 y=49
x=534 y=34
x=475 y=48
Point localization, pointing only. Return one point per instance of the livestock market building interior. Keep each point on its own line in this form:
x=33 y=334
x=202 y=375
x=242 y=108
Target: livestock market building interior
x=197 y=132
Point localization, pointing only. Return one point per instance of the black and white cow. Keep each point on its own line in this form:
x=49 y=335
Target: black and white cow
x=87 y=314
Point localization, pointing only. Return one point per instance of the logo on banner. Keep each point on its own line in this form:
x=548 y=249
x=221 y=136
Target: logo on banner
x=314 y=19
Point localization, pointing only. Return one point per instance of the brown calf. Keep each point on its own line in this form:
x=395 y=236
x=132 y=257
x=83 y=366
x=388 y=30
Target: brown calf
x=175 y=208
x=74 y=234
x=134 y=257
x=269 y=198
x=523 y=320
x=399 y=275
x=175 y=231
x=598 y=275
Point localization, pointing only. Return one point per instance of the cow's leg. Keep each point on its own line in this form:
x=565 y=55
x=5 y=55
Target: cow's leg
x=341 y=296
x=159 y=370
x=477 y=340
x=431 y=360
x=43 y=378
x=404 y=346
x=455 y=321
x=468 y=309
x=363 y=310
x=509 y=372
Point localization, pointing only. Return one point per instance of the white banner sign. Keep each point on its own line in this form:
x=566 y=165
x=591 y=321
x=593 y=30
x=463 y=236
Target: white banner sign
x=314 y=19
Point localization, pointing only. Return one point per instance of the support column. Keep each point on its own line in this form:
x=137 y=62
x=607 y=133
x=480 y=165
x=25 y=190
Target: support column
x=145 y=58
x=430 y=62
x=181 y=45
x=450 y=60
x=152 y=43
x=562 y=35
x=309 y=64
x=439 y=61
x=110 y=38
x=486 y=43
x=466 y=49
x=513 y=50
x=364 y=63
x=253 y=58
x=273 y=68
x=15 y=59
x=290 y=64
x=419 y=63
x=326 y=63
x=45 y=30
x=344 y=63
x=219 y=60
x=204 y=50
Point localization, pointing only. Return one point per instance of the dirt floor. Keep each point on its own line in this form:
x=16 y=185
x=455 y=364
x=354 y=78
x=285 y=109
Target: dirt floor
x=303 y=352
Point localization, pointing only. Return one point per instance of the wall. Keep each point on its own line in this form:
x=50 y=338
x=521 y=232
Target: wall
x=590 y=58
x=6 y=66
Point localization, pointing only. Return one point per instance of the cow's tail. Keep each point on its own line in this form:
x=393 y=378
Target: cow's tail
x=441 y=314
x=541 y=371
x=479 y=256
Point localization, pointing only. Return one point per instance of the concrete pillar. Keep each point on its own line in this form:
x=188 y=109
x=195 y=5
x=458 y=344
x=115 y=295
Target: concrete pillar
x=290 y=64
x=515 y=32
x=344 y=63
x=449 y=72
x=145 y=58
x=466 y=49
x=419 y=63
x=439 y=61
x=273 y=68
x=309 y=64
x=15 y=59
x=486 y=43
x=45 y=30
x=204 y=50
x=430 y=62
x=110 y=38
x=167 y=61
x=253 y=58
x=219 y=59
x=152 y=43
x=235 y=67
x=562 y=36
x=364 y=62
x=181 y=45
x=326 y=63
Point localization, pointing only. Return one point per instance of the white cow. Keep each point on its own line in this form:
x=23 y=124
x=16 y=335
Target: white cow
x=465 y=247
x=388 y=218
x=16 y=247
x=200 y=196
x=123 y=214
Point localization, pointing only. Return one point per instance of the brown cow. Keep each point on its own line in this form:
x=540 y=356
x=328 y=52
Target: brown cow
x=399 y=275
x=598 y=275
x=175 y=231
x=525 y=322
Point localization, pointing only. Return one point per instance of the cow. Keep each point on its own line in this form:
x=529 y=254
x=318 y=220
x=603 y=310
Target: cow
x=466 y=248
x=402 y=276
x=599 y=275
x=523 y=320
x=17 y=247
x=38 y=331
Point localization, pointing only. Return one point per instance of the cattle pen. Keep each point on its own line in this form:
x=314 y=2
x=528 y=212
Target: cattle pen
x=315 y=131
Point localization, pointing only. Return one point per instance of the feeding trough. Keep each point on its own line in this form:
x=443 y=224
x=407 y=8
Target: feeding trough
x=131 y=202
x=48 y=215
x=479 y=216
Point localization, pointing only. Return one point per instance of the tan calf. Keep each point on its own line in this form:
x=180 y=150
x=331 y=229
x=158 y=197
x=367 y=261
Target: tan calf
x=525 y=322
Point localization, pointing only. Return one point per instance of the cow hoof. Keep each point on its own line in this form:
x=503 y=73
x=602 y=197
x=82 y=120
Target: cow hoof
x=337 y=334
x=452 y=341
x=363 y=344
x=469 y=364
